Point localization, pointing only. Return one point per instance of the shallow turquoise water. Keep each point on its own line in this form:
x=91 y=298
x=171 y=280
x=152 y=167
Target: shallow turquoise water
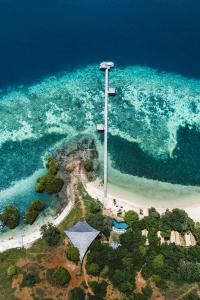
x=154 y=125
x=120 y=225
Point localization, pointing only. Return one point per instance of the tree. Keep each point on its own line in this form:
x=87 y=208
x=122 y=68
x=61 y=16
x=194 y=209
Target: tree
x=178 y=220
x=156 y=278
x=101 y=223
x=49 y=183
x=189 y=271
x=38 y=205
x=33 y=211
x=50 y=234
x=99 y=289
x=192 y=296
x=30 y=279
x=12 y=270
x=52 y=166
x=197 y=232
x=92 y=269
x=73 y=254
x=10 y=217
x=131 y=218
x=95 y=207
x=88 y=165
x=147 y=291
x=59 y=276
x=77 y=294
x=158 y=262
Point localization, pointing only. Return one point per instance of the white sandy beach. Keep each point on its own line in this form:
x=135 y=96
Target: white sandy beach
x=18 y=238
x=137 y=202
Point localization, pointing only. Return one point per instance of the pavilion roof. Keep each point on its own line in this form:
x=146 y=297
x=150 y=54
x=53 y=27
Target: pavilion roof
x=81 y=236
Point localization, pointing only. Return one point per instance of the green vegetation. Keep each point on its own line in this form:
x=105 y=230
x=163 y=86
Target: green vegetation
x=58 y=277
x=74 y=216
x=192 y=296
x=77 y=294
x=178 y=220
x=88 y=165
x=99 y=290
x=73 y=254
x=92 y=269
x=52 y=166
x=49 y=182
x=163 y=264
x=12 y=270
x=94 y=215
x=159 y=263
x=10 y=217
x=131 y=218
x=33 y=211
x=50 y=234
x=30 y=279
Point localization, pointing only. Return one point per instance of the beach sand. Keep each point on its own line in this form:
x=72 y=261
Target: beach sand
x=25 y=236
x=125 y=200
x=132 y=201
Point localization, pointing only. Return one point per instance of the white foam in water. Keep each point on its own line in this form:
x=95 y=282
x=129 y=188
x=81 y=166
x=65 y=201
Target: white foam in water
x=149 y=107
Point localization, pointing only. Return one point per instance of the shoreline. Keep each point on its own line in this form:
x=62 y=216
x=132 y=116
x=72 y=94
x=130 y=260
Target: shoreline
x=137 y=202
x=25 y=237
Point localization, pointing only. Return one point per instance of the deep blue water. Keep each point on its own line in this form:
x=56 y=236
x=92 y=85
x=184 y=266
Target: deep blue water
x=38 y=38
x=154 y=119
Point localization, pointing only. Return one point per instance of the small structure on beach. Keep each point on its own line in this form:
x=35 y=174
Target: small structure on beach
x=189 y=239
x=100 y=127
x=81 y=236
x=145 y=234
x=115 y=245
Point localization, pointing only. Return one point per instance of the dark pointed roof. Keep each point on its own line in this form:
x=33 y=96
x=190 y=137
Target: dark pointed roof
x=81 y=236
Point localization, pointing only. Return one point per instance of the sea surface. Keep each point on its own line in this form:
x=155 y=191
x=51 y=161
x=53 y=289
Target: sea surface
x=51 y=91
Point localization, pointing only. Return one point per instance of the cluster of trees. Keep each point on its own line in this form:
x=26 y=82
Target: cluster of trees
x=33 y=211
x=29 y=279
x=88 y=165
x=94 y=214
x=51 y=234
x=77 y=294
x=10 y=216
x=73 y=254
x=177 y=220
x=49 y=182
x=12 y=270
x=99 y=289
x=159 y=263
x=58 y=276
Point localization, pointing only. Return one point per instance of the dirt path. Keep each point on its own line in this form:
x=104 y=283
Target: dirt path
x=85 y=276
x=140 y=282
x=186 y=293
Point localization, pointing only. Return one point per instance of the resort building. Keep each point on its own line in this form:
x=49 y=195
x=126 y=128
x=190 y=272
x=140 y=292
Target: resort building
x=189 y=239
x=162 y=240
x=175 y=238
x=145 y=234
